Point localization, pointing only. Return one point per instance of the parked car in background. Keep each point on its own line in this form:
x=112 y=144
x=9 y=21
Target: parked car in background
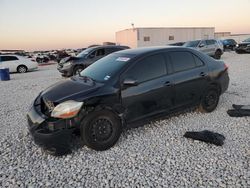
x=125 y=89
x=74 y=65
x=177 y=44
x=210 y=47
x=17 y=63
x=229 y=44
x=243 y=47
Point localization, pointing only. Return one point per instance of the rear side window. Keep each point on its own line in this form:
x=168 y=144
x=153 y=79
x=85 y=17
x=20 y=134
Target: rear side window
x=8 y=58
x=182 y=61
x=100 y=52
x=111 y=50
x=211 y=42
x=148 y=68
x=198 y=62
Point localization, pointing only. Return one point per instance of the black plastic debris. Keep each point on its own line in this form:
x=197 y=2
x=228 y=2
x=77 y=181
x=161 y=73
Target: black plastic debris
x=207 y=136
x=239 y=111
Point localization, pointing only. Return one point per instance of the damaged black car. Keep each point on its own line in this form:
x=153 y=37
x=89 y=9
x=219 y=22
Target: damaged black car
x=122 y=90
x=73 y=65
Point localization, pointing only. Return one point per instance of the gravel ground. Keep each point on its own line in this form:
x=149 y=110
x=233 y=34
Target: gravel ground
x=156 y=155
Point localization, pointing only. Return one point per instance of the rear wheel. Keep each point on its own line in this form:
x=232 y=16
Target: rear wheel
x=101 y=130
x=209 y=100
x=78 y=70
x=217 y=54
x=22 y=69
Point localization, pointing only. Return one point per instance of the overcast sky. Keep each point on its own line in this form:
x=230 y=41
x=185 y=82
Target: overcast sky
x=54 y=24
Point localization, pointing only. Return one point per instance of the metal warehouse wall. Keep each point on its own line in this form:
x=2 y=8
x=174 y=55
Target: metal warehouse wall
x=164 y=36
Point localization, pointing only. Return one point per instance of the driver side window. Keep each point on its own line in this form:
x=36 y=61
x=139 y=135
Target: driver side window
x=203 y=43
x=147 y=69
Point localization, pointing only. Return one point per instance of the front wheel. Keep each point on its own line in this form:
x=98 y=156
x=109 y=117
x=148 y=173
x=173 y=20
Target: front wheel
x=101 y=130
x=78 y=70
x=22 y=69
x=209 y=100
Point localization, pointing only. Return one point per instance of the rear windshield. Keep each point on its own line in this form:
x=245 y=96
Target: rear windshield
x=105 y=68
x=192 y=44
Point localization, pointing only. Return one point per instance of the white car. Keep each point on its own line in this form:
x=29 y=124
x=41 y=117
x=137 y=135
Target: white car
x=17 y=63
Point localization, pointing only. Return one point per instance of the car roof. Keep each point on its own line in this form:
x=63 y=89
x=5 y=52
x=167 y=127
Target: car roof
x=108 y=46
x=145 y=50
x=10 y=55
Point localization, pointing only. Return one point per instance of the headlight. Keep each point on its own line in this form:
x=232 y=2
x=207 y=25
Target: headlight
x=67 y=109
x=237 y=45
x=248 y=45
x=67 y=64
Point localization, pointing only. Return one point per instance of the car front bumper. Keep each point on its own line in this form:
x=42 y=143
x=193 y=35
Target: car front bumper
x=66 y=71
x=243 y=48
x=45 y=135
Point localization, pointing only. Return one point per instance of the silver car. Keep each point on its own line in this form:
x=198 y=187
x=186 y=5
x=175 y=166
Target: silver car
x=211 y=47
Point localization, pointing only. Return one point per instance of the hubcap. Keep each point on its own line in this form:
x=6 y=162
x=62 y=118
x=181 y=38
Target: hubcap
x=22 y=69
x=78 y=71
x=210 y=99
x=101 y=130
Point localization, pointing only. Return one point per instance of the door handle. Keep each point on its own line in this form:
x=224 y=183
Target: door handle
x=203 y=74
x=168 y=84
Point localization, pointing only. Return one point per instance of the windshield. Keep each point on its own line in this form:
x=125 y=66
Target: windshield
x=247 y=40
x=192 y=44
x=85 y=52
x=105 y=68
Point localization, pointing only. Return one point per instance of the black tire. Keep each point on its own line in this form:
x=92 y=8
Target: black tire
x=209 y=100
x=77 y=70
x=217 y=54
x=22 y=69
x=238 y=51
x=100 y=130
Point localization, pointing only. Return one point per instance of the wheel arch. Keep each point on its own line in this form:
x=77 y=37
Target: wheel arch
x=216 y=85
x=22 y=65
x=86 y=110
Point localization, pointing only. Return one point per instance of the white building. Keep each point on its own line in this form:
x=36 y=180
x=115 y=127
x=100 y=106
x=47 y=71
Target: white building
x=140 y=37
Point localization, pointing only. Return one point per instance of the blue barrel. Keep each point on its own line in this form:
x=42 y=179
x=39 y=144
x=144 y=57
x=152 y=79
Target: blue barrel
x=4 y=74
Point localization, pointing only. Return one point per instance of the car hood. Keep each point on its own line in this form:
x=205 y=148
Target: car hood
x=245 y=43
x=67 y=59
x=75 y=88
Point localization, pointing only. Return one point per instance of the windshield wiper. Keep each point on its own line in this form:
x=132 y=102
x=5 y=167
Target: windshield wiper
x=86 y=78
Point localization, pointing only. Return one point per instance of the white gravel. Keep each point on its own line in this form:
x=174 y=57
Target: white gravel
x=156 y=155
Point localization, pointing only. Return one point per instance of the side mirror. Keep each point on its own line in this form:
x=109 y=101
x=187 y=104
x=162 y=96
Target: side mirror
x=201 y=45
x=130 y=82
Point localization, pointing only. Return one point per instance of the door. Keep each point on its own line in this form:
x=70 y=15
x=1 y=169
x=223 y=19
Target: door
x=152 y=93
x=190 y=77
x=10 y=62
x=203 y=47
x=211 y=46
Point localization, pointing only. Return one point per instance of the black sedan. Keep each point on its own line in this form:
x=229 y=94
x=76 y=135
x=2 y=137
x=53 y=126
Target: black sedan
x=229 y=44
x=243 y=47
x=125 y=89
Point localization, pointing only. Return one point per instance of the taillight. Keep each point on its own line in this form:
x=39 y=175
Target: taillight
x=226 y=66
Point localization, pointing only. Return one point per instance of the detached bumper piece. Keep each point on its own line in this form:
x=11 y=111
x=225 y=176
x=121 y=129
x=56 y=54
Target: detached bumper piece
x=206 y=136
x=54 y=136
x=239 y=111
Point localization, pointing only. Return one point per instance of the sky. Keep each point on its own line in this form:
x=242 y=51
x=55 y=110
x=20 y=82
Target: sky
x=57 y=24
